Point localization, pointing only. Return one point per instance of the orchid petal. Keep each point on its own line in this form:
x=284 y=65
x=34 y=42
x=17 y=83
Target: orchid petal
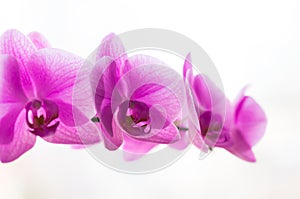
x=99 y=91
x=10 y=87
x=157 y=132
x=250 y=119
x=106 y=83
x=167 y=135
x=202 y=92
x=112 y=46
x=241 y=148
x=209 y=96
x=22 y=141
x=14 y=43
x=152 y=85
x=140 y=60
x=135 y=149
x=7 y=122
x=111 y=134
x=69 y=114
x=83 y=96
x=188 y=69
x=39 y=40
x=84 y=134
x=199 y=141
x=155 y=94
x=183 y=142
x=54 y=72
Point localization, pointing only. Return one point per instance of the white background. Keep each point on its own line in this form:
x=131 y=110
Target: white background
x=254 y=42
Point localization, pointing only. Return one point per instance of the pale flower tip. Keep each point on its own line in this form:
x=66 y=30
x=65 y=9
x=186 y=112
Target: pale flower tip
x=187 y=67
x=39 y=40
x=251 y=159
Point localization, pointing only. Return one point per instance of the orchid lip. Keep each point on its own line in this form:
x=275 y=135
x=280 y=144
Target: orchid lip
x=42 y=117
x=138 y=116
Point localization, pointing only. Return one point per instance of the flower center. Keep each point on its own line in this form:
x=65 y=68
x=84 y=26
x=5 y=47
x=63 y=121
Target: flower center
x=42 y=117
x=208 y=123
x=138 y=116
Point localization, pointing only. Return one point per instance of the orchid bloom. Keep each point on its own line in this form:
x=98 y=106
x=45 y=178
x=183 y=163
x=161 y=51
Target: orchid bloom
x=35 y=94
x=237 y=129
x=137 y=98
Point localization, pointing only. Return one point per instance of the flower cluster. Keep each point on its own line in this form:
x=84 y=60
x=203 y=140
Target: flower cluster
x=136 y=102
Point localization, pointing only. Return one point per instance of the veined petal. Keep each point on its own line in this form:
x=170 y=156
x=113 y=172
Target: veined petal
x=140 y=60
x=16 y=44
x=97 y=88
x=135 y=149
x=83 y=95
x=112 y=46
x=10 y=87
x=39 y=40
x=158 y=95
x=84 y=134
x=250 y=119
x=167 y=135
x=54 y=72
x=69 y=114
x=7 y=121
x=152 y=85
x=107 y=81
x=22 y=140
x=98 y=71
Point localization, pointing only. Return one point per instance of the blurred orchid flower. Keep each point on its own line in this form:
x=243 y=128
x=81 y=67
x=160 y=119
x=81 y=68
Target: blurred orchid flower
x=235 y=127
x=35 y=94
x=137 y=98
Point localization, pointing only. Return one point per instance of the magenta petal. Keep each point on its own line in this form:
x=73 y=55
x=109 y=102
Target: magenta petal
x=209 y=96
x=106 y=84
x=112 y=46
x=54 y=72
x=167 y=135
x=102 y=71
x=250 y=119
x=10 y=85
x=202 y=91
x=7 y=122
x=39 y=40
x=22 y=141
x=157 y=131
x=151 y=85
x=240 y=147
x=158 y=95
x=84 y=134
x=83 y=93
x=112 y=135
x=140 y=60
x=135 y=149
x=199 y=141
x=183 y=142
x=67 y=113
x=14 y=43
x=188 y=69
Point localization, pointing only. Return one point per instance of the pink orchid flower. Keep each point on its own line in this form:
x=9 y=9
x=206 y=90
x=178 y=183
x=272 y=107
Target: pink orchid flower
x=237 y=129
x=35 y=94
x=137 y=99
